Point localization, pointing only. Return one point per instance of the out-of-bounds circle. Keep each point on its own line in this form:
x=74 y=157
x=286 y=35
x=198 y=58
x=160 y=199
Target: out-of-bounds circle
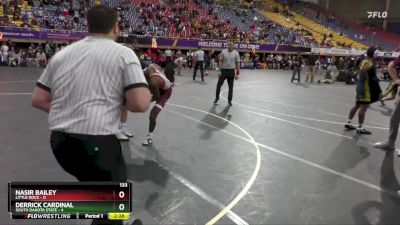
x=253 y=177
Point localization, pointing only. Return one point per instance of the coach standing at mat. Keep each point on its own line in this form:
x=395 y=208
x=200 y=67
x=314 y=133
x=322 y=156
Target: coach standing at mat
x=82 y=89
x=229 y=59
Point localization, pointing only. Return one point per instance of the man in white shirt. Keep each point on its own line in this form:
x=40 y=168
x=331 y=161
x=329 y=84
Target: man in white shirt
x=83 y=91
x=14 y=58
x=229 y=60
x=198 y=61
x=168 y=56
x=279 y=61
x=41 y=58
x=189 y=58
x=4 y=53
x=48 y=50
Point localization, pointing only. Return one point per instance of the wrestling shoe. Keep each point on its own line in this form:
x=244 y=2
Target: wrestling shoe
x=148 y=141
x=386 y=146
x=361 y=130
x=349 y=126
x=125 y=131
x=121 y=136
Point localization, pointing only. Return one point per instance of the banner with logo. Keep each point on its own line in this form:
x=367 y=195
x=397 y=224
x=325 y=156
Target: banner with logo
x=145 y=41
x=351 y=52
x=45 y=35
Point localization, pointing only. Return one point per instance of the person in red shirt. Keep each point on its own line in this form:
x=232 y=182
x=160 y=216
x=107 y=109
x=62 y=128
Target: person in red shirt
x=149 y=53
x=161 y=58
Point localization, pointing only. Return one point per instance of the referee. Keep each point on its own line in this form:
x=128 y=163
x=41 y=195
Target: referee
x=198 y=61
x=229 y=59
x=82 y=89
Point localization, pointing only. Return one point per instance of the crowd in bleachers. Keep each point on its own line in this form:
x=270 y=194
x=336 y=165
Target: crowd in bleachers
x=48 y=14
x=206 y=19
x=258 y=28
x=330 y=21
x=179 y=18
x=11 y=11
x=188 y=19
x=60 y=15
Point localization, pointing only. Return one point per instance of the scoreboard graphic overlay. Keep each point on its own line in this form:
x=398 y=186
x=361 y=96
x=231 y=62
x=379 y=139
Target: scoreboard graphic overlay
x=70 y=200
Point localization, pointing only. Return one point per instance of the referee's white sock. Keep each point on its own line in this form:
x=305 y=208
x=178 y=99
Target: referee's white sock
x=150 y=135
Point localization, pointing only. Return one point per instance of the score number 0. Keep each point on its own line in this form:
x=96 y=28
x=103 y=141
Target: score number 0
x=121 y=194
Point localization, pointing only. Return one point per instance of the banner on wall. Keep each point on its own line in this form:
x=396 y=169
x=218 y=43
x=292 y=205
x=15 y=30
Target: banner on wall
x=351 y=52
x=45 y=35
x=51 y=35
x=148 y=41
x=247 y=65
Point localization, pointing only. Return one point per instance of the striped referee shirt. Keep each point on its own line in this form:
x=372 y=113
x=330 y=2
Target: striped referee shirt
x=87 y=80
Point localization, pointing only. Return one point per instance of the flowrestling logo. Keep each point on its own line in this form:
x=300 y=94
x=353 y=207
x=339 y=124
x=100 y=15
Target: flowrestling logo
x=379 y=15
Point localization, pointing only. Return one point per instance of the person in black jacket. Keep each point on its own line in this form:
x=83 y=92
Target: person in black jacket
x=310 y=67
x=368 y=91
x=297 y=61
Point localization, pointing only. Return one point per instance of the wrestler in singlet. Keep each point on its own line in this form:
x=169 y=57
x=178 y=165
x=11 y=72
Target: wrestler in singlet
x=161 y=84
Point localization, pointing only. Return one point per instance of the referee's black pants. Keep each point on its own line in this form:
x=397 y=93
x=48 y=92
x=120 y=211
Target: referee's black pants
x=90 y=158
x=168 y=60
x=199 y=64
x=229 y=75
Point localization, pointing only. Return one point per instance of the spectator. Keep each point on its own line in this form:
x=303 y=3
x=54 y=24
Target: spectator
x=168 y=56
x=31 y=58
x=4 y=53
x=14 y=58
x=25 y=17
x=48 y=50
x=297 y=62
x=41 y=58
x=23 y=58
x=310 y=63
x=189 y=58
x=279 y=61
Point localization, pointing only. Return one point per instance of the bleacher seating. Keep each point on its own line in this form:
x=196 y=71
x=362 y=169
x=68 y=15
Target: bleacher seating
x=210 y=21
x=326 y=19
x=318 y=31
x=311 y=12
x=236 y=20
